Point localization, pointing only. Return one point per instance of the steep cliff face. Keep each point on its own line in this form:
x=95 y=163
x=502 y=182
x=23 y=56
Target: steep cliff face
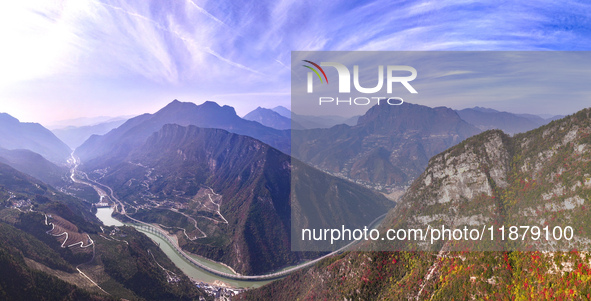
x=460 y=187
x=539 y=178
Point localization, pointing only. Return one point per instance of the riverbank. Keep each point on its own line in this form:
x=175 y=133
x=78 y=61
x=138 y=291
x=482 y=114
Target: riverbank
x=198 y=268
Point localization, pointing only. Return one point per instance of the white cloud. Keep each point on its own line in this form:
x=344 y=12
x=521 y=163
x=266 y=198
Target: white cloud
x=213 y=47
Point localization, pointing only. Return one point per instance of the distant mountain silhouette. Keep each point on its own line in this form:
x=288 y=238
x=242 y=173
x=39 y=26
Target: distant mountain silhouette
x=74 y=136
x=283 y=111
x=300 y=122
x=116 y=144
x=34 y=165
x=270 y=118
x=32 y=136
x=322 y=121
x=487 y=119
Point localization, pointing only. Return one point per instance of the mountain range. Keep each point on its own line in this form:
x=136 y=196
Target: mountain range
x=532 y=178
x=538 y=178
x=510 y=123
x=389 y=146
x=229 y=190
x=281 y=118
x=52 y=244
x=231 y=195
x=270 y=118
x=32 y=136
x=115 y=145
x=82 y=122
x=74 y=136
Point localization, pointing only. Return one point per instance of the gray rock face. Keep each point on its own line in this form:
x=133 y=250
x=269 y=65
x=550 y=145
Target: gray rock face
x=539 y=178
x=465 y=173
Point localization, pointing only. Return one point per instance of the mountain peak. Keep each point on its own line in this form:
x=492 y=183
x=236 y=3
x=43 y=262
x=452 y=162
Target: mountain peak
x=209 y=103
x=261 y=109
x=283 y=111
x=32 y=136
x=208 y=115
x=5 y=117
x=484 y=110
x=270 y=118
x=408 y=116
x=212 y=106
x=176 y=105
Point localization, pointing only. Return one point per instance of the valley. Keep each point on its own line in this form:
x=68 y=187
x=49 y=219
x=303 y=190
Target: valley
x=199 y=269
x=195 y=183
x=537 y=178
x=220 y=207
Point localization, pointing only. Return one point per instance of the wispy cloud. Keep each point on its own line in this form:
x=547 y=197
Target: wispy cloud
x=156 y=50
x=203 y=11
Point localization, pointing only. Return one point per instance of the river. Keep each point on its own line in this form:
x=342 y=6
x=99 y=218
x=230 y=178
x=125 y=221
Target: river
x=104 y=214
x=202 y=269
x=200 y=275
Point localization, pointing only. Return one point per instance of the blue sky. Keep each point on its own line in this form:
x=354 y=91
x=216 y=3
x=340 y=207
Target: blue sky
x=534 y=82
x=68 y=59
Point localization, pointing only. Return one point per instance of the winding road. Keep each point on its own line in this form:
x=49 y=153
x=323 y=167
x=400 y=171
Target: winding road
x=143 y=226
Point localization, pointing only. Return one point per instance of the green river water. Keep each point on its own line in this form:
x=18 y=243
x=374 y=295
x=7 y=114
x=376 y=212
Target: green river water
x=104 y=214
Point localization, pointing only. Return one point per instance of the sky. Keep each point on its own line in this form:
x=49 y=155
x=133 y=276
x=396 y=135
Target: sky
x=533 y=82
x=85 y=58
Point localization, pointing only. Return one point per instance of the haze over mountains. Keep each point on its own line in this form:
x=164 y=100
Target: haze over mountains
x=283 y=111
x=83 y=121
x=188 y=177
x=74 y=136
x=33 y=164
x=270 y=118
x=538 y=178
x=225 y=185
x=389 y=146
x=282 y=118
x=488 y=119
x=32 y=136
x=116 y=145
